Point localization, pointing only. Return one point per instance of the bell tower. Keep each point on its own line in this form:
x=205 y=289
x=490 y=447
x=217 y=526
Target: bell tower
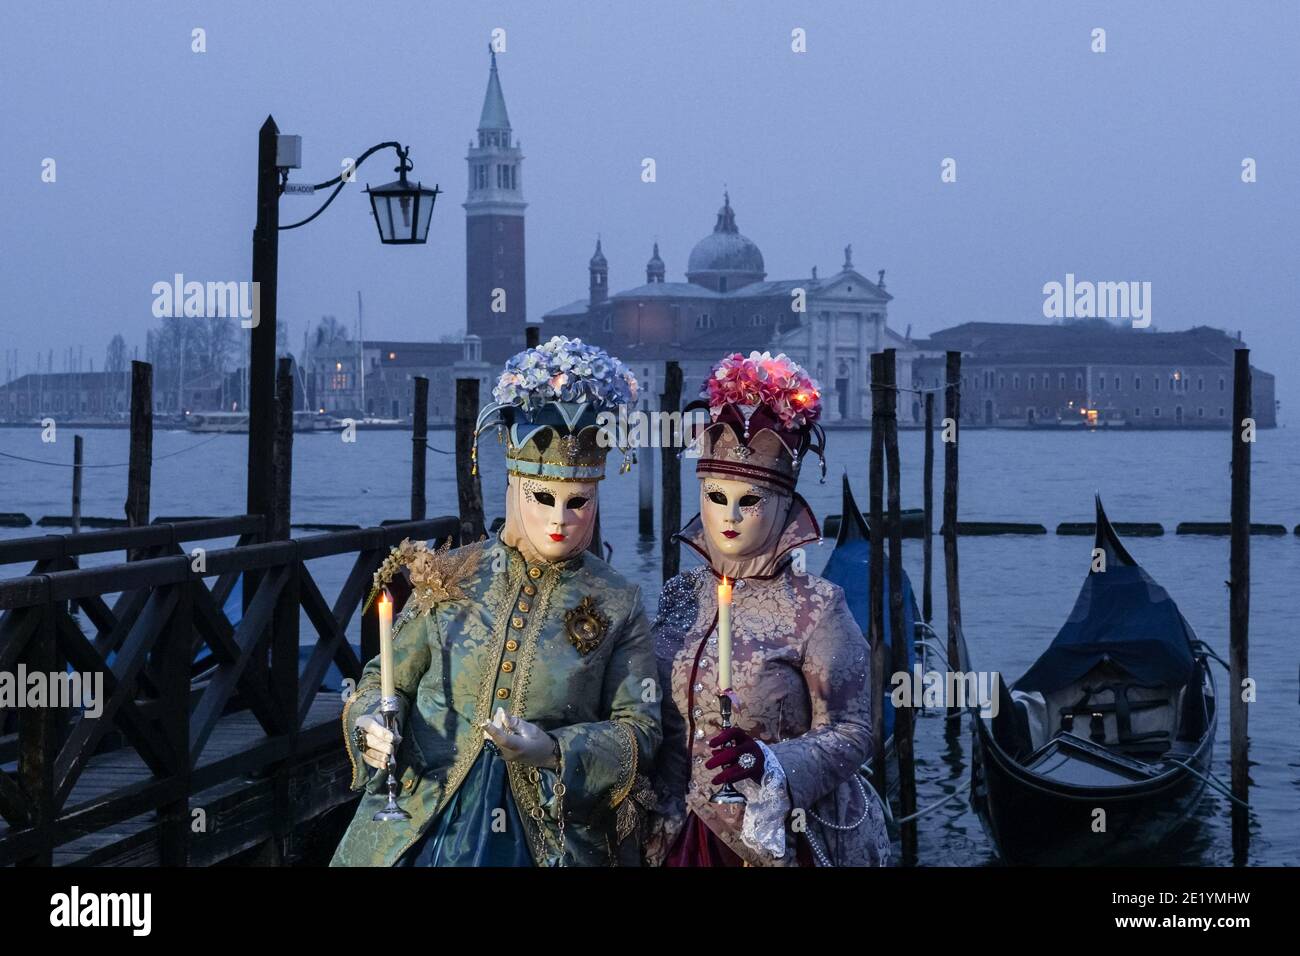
x=495 y=304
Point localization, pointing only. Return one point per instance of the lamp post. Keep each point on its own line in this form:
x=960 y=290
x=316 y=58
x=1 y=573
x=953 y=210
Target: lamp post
x=402 y=212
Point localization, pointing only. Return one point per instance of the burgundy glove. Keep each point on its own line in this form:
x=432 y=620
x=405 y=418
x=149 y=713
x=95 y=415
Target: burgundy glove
x=729 y=758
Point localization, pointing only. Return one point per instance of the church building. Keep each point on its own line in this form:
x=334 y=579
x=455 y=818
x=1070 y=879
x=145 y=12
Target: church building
x=728 y=304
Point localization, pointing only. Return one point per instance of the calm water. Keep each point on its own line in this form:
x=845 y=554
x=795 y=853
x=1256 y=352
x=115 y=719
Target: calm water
x=1016 y=591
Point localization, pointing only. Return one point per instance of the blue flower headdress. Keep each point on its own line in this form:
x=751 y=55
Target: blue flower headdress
x=545 y=406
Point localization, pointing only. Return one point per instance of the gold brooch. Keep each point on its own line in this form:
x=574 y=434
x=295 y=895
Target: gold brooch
x=586 y=626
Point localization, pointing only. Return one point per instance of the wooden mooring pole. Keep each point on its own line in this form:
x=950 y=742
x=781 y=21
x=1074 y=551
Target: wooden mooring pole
x=282 y=451
x=876 y=574
x=645 y=463
x=900 y=640
x=1243 y=435
x=951 y=430
x=670 y=521
x=927 y=538
x=141 y=456
x=419 y=446
x=76 y=484
x=469 y=489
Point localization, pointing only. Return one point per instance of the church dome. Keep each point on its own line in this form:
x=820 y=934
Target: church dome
x=725 y=252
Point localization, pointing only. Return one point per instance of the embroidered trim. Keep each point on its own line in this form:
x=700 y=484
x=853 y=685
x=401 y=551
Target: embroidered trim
x=627 y=761
x=347 y=736
x=483 y=703
x=526 y=796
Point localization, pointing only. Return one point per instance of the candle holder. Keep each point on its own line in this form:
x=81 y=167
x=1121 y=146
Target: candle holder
x=388 y=708
x=728 y=793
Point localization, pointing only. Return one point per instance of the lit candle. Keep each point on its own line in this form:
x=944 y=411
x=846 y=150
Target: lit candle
x=387 y=688
x=724 y=635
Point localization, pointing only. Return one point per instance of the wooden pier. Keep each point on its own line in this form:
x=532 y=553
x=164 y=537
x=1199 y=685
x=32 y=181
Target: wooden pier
x=215 y=739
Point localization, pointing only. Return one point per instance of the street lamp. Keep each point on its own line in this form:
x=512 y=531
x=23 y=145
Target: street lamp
x=401 y=211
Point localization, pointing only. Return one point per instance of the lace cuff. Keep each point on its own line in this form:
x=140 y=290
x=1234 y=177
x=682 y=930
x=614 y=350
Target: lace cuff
x=767 y=804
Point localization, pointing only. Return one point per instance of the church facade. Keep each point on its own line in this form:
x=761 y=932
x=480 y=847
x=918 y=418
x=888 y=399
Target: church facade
x=726 y=304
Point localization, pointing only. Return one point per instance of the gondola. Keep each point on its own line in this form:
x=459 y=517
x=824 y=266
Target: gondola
x=1101 y=749
x=849 y=567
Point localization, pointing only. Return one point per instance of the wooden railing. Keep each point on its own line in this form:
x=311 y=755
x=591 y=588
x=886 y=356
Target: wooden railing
x=173 y=665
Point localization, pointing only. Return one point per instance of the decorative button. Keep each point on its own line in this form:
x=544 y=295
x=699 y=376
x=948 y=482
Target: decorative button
x=699 y=712
x=704 y=662
x=698 y=688
x=740 y=583
x=507 y=666
x=516 y=622
x=523 y=606
x=534 y=573
x=713 y=640
x=512 y=645
x=503 y=692
x=699 y=733
x=530 y=589
x=409 y=785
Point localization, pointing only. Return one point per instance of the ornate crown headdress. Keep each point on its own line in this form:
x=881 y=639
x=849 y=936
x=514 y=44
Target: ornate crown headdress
x=764 y=413
x=546 y=405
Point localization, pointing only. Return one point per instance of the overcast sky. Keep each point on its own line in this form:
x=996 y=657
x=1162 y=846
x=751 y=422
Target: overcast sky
x=1123 y=165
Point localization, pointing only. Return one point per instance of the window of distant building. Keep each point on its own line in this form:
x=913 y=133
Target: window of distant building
x=704 y=321
x=1156 y=379
x=757 y=320
x=1137 y=383
x=1078 y=382
x=1015 y=383
x=1060 y=383
x=1137 y=412
x=1220 y=411
x=1046 y=411
x=1033 y=379
x=1157 y=411
x=608 y=324
x=1101 y=383
x=1222 y=385
x=1200 y=412
x=1200 y=383
x=1117 y=383
x=1002 y=381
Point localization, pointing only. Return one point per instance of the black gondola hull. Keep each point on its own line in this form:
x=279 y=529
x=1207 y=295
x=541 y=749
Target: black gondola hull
x=1032 y=820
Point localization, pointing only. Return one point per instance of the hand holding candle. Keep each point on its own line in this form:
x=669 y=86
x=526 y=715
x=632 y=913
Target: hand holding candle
x=386 y=679
x=724 y=635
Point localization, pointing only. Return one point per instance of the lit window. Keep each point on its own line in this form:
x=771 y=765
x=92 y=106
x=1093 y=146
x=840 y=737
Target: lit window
x=392 y=356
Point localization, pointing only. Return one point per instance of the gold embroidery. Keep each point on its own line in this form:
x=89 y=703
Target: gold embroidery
x=483 y=704
x=347 y=733
x=627 y=761
x=526 y=796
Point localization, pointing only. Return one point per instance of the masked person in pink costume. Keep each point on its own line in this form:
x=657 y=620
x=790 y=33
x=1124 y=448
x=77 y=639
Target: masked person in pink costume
x=799 y=664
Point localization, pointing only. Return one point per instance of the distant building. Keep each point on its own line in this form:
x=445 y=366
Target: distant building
x=727 y=305
x=373 y=379
x=1092 y=372
x=66 y=394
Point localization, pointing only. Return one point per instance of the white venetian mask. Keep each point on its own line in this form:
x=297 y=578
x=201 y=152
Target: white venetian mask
x=741 y=519
x=556 y=517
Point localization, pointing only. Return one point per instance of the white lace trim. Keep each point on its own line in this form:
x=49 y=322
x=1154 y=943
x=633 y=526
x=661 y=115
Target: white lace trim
x=767 y=804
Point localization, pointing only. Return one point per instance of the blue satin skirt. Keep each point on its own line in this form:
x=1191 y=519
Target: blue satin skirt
x=464 y=835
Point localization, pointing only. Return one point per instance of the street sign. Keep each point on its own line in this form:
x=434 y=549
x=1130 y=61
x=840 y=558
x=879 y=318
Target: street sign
x=299 y=189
